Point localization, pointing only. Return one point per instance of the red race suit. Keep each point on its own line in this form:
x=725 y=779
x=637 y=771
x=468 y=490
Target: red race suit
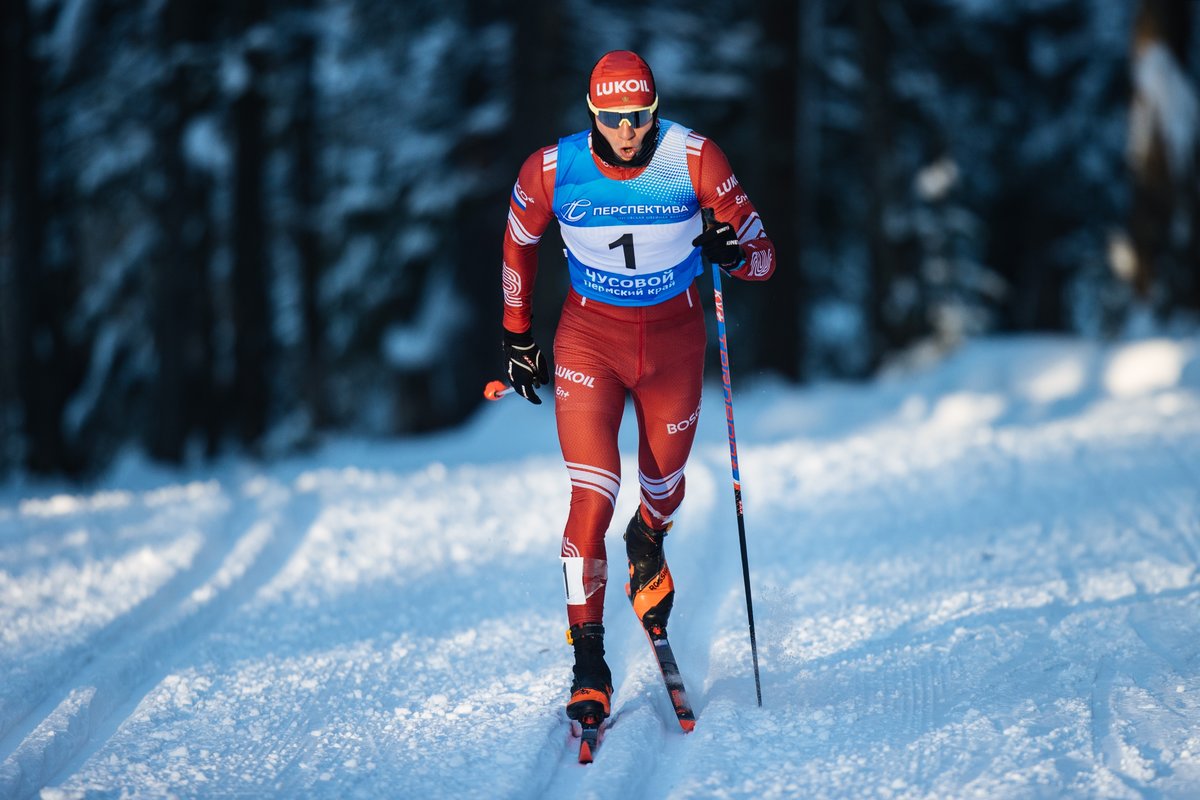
x=614 y=342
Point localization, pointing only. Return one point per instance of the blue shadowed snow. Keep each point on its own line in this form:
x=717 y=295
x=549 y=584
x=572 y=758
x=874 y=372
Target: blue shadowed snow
x=975 y=578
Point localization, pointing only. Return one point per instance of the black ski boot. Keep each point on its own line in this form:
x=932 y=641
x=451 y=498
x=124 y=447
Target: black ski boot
x=591 y=688
x=650 y=589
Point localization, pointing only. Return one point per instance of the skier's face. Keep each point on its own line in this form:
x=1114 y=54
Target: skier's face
x=625 y=140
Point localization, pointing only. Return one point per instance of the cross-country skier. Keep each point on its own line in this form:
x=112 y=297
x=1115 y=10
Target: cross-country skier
x=627 y=194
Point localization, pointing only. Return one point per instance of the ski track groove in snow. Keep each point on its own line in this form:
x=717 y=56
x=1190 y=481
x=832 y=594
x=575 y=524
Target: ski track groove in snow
x=132 y=658
x=1108 y=747
x=58 y=676
x=976 y=581
x=1188 y=530
x=131 y=625
x=644 y=729
x=706 y=564
x=628 y=755
x=562 y=749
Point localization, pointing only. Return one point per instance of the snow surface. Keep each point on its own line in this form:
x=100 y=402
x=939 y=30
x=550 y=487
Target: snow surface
x=974 y=580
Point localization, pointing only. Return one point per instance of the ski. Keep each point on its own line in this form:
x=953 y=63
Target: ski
x=590 y=720
x=672 y=678
x=589 y=740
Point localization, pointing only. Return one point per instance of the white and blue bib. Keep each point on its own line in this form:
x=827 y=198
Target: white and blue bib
x=629 y=243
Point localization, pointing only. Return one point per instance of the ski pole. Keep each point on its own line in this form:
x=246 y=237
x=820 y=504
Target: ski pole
x=495 y=390
x=710 y=220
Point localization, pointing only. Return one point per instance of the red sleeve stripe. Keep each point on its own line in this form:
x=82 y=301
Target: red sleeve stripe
x=694 y=143
x=518 y=233
x=752 y=228
x=550 y=158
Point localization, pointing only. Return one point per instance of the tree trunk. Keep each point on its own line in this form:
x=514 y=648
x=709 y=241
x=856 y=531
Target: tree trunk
x=781 y=341
x=11 y=46
x=541 y=61
x=1164 y=218
x=251 y=310
x=306 y=231
x=876 y=164
x=168 y=422
x=478 y=226
x=38 y=318
x=182 y=317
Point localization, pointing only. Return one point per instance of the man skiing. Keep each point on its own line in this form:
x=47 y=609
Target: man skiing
x=627 y=194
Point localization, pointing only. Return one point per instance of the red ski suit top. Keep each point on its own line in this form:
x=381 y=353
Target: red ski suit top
x=712 y=178
x=604 y=352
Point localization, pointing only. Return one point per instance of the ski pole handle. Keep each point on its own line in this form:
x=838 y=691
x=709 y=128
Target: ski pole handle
x=496 y=390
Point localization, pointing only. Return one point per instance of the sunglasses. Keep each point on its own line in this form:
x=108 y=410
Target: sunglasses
x=614 y=119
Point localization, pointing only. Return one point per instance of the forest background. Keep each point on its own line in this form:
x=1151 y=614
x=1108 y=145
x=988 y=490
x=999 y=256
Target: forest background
x=248 y=225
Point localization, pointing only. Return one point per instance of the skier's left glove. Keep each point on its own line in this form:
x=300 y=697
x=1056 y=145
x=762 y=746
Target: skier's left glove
x=527 y=369
x=720 y=245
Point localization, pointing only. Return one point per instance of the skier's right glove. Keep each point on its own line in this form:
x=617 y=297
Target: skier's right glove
x=527 y=369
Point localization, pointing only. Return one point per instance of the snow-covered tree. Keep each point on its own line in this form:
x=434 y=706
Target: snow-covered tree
x=1164 y=159
x=241 y=224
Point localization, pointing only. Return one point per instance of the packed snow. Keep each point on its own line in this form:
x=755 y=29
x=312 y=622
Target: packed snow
x=973 y=579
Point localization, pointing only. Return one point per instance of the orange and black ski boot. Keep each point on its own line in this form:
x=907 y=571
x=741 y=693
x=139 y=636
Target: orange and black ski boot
x=650 y=589
x=591 y=689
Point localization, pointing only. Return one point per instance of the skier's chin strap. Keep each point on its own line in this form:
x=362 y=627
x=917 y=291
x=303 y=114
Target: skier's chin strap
x=605 y=153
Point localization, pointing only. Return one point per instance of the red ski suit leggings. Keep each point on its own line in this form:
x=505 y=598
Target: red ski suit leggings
x=601 y=353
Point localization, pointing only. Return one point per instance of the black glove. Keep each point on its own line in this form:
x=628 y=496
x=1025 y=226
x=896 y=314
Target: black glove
x=720 y=245
x=527 y=368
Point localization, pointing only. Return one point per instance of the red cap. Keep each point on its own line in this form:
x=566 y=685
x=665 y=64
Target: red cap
x=621 y=81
